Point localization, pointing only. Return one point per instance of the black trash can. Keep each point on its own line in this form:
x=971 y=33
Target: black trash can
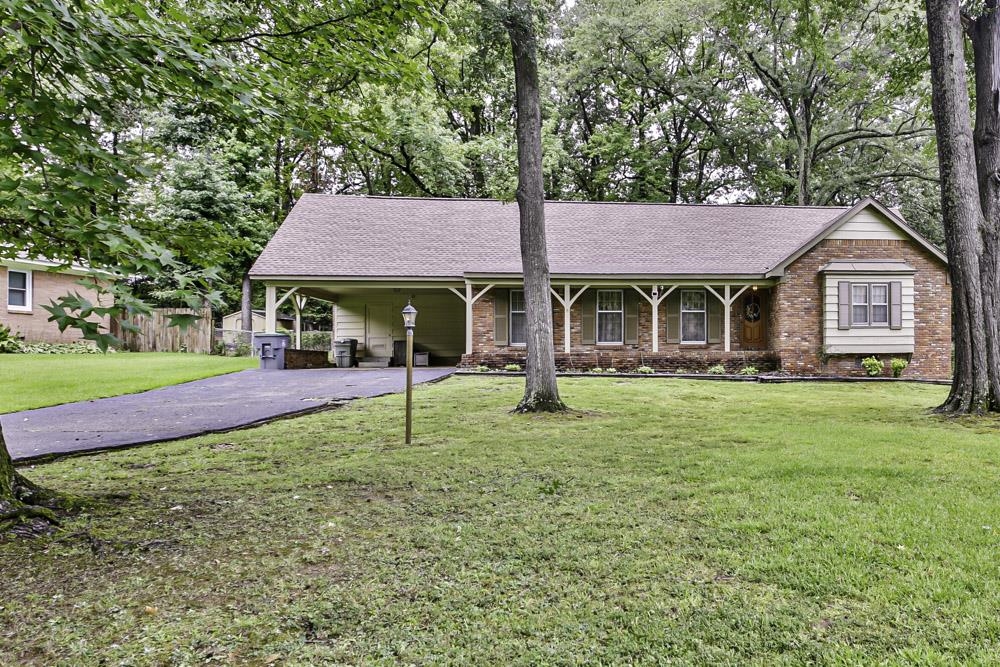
x=345 y=352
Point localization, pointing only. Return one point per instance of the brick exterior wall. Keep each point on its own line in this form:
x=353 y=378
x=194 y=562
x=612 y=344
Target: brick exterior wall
x=46 y=286
x=797 y=314
x=671 y=357
x=793 y=311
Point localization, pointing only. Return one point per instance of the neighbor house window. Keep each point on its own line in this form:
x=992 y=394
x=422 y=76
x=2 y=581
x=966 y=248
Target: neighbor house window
x=518 y=318
x=19 y=290
x=870 y=304
x=693 y=316
x=610 y=315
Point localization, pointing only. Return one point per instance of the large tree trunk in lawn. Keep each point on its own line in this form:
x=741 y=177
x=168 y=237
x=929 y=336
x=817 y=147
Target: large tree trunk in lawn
x=966 y=230
x=246 y=312
x=541 y=393
x=22 y=503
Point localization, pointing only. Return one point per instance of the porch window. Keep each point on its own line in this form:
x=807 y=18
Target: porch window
x=610 y=316
x=693 y=316
x=518 y=318
x=19 y=290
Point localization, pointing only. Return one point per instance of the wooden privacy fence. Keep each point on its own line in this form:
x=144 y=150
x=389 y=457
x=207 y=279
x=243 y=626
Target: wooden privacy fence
x=156 y=335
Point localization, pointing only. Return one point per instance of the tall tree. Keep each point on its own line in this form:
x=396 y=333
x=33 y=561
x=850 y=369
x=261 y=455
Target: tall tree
x=970 y=193
x=541 y=392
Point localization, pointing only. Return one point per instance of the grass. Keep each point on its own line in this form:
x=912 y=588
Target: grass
x=666 y=521
x=37 y=380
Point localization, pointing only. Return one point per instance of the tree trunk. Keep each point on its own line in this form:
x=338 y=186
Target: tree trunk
x=246 y=310
x=541 y=393
x=985 y=34
x=22 y=503
x=962 y=212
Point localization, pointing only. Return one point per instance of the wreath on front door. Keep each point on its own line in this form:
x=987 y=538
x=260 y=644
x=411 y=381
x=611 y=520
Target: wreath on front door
x=751 y=311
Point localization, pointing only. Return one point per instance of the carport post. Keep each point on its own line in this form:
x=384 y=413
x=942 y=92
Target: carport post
x=270 y=309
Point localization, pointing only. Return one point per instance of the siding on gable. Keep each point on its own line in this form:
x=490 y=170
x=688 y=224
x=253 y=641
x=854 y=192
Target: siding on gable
x=868 y=224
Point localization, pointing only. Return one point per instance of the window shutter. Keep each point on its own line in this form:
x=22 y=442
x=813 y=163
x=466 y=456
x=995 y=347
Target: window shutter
x=631 y=317
x=895 y=305
x=714 y=314
x=501 y=316
x=843 y=305
x=673 y=318
x=588 y=318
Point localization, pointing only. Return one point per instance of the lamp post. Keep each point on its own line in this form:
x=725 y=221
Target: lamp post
x=409 y=321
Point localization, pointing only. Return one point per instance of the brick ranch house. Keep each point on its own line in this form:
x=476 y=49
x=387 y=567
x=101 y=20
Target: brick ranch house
x=27 y=284
x=806 y=290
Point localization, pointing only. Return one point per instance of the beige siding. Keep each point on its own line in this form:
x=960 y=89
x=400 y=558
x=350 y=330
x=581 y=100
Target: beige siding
x=867 y=340
x=867 y=224
x=440 y=320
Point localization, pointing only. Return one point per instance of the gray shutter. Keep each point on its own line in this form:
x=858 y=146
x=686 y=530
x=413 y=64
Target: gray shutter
x=501 y=316
x=588 y=318
x=895 y=305
x=673 y=318
x=843 y=305
x=714 y=308
x=631 y=317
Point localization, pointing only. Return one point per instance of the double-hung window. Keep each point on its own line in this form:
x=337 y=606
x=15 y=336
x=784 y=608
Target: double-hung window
x=610 y=316
x=694 y=316
x=869 y=304
x=518 y=318
x=19 y=290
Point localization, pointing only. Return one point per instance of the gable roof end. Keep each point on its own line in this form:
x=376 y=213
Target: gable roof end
x=867 y=202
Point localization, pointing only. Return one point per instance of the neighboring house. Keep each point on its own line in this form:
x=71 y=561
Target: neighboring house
x=234 y=321
x=807 y=290
x=27 y=285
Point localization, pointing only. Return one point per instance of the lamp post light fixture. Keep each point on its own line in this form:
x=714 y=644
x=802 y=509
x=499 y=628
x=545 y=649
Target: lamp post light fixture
x=409 y=321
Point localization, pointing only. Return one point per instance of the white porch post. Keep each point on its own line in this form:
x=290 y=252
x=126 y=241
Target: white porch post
x=567 y=344
x=298 y=303
x=654 y=301
x=270 y=309
x=469 y=298
x=727 y=305
x=468 y=318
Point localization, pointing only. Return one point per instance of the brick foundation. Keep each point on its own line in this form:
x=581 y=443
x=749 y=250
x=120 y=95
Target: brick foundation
x=693 y=361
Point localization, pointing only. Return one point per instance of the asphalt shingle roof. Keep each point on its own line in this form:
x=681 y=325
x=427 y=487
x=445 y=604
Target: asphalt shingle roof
x=355 y=237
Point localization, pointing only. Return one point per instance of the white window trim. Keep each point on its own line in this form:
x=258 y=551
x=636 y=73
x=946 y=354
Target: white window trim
x=28 y=285
x=510 y=319
x=871 y=324
x=703 y=311
x=620 y=311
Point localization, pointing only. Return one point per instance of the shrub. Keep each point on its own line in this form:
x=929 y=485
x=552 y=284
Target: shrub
x=717 y=369
x=316 y=340
x=482 y=369
x=681 y=371
x=512 y=368
x=898 y=365
x=645 y=370
x=612 y=371
x=749 y=370
x=597 y=369
x=243 y=350
x=873 y=366
x=9 y=342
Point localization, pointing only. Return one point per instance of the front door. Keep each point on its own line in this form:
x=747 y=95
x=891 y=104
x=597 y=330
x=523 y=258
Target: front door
x=378 y=330
x=752 y=314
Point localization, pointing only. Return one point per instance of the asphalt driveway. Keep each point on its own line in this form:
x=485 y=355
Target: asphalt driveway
x=219 y=403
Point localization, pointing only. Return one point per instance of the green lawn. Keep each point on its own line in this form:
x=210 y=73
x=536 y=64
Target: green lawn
x=668 y=520
x=37 y=380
